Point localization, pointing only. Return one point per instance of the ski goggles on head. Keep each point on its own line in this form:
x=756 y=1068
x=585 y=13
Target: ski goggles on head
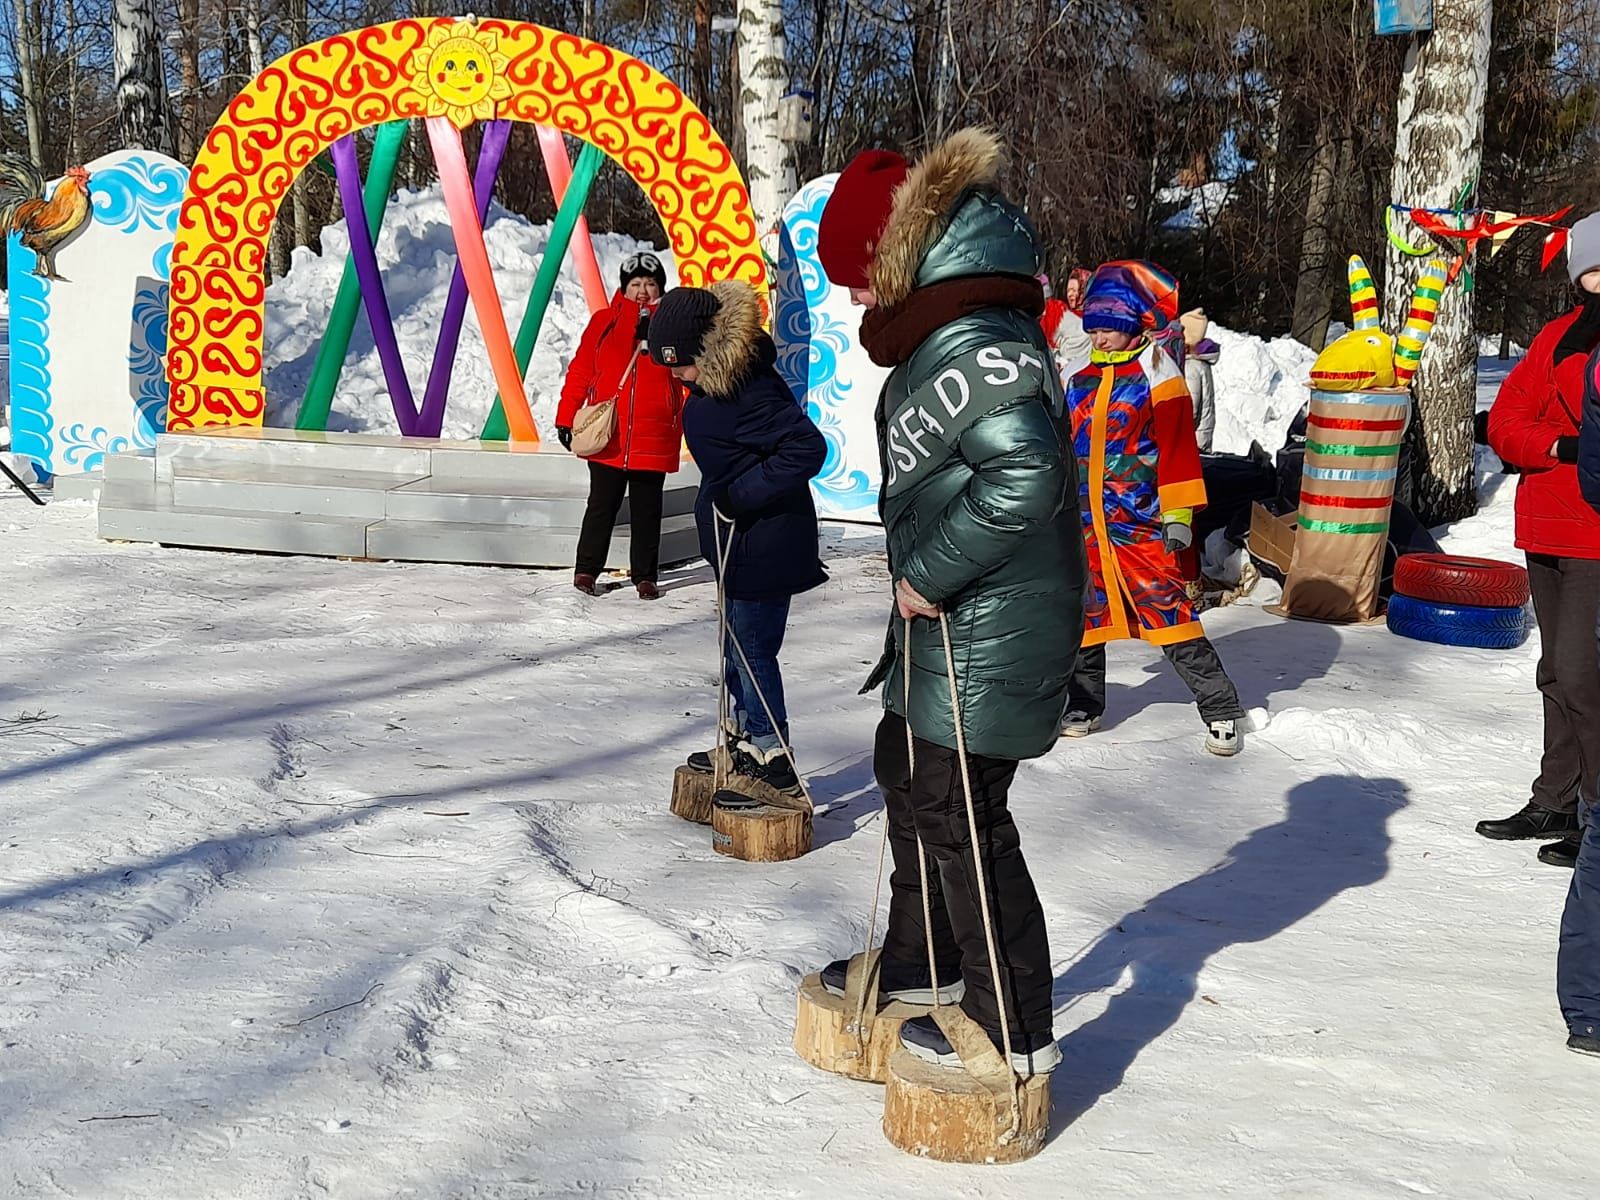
x=643 y=263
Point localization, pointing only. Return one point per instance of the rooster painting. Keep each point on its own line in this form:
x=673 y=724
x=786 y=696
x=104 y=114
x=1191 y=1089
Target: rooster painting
x=42 y=222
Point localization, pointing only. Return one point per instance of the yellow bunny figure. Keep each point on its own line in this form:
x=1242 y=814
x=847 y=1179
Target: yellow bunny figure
x=1366 y=358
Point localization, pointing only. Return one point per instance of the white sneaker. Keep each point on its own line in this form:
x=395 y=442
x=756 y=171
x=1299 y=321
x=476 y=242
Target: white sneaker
x=1078 y=724
x=1225 y=738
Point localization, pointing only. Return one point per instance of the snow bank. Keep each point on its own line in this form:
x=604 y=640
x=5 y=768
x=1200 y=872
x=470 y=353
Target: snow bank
x=417 y=254
x=1260 y=387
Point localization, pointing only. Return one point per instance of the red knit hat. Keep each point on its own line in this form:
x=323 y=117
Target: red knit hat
x=855 y=216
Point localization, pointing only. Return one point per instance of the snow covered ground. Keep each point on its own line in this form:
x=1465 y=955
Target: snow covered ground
x=358 y=880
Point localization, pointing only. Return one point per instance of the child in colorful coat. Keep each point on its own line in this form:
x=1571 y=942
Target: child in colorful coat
x=1133 y=431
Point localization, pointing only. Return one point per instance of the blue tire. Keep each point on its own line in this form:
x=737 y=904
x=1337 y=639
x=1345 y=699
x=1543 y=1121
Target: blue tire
x=1458 y=624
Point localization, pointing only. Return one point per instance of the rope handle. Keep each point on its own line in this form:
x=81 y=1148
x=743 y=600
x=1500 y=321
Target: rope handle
x=729 y=636
x=1015 y=1122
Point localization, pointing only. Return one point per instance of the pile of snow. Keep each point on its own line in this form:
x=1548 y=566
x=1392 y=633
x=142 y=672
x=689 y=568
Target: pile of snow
x=417 y=254
x=1260 y=386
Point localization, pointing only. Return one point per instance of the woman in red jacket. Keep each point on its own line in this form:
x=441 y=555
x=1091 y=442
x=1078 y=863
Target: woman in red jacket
x=1533 y=427
x=611 y=361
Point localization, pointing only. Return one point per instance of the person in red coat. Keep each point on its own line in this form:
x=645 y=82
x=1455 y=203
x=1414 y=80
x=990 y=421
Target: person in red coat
x=612 y=362
x=1534 y=427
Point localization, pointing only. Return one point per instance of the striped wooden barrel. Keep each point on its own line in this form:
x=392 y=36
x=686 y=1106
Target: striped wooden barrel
x=1351 y=464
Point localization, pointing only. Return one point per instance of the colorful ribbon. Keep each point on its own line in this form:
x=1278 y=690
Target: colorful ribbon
x=1345 y=475
x=1316 y=526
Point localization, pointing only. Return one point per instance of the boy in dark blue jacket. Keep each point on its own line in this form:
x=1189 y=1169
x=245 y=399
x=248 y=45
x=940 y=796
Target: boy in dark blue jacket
x=757 y=452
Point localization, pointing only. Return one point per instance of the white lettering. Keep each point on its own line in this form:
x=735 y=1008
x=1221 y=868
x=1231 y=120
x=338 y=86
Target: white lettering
x=1029 y=360
x=912 y=432
x=961 y=387
x=991 y=358
x=902 y=457
x=930 y=423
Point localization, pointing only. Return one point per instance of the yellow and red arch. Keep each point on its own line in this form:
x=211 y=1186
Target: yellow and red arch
x=298 y=106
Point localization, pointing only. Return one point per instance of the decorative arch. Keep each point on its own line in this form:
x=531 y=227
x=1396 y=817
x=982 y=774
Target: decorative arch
x=300 y=104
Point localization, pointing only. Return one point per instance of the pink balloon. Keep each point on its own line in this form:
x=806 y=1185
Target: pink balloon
x=559 y=168
x=451 y=160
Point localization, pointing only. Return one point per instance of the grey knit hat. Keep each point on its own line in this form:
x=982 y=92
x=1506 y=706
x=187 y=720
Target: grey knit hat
x=1583 y=247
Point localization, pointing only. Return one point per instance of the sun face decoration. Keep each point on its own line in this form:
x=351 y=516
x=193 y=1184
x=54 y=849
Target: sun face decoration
x=459 y=73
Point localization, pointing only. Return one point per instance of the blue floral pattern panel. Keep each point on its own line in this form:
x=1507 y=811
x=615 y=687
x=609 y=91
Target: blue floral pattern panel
x=79 y=392
x=821 y=357
x=31 y=424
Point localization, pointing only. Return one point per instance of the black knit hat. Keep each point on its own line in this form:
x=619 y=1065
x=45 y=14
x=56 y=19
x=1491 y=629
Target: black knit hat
x=678 y=329
x=643 y=265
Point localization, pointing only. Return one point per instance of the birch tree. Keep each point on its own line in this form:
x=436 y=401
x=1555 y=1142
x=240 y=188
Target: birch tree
x=764 y=72
x=29 y=34
x=142 y=119
x=1438 y=151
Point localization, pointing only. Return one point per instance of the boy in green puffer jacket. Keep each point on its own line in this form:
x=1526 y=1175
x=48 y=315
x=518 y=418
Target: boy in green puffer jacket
x=980 y=510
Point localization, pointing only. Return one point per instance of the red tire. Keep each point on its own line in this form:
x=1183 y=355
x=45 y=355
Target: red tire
x=1450 y=579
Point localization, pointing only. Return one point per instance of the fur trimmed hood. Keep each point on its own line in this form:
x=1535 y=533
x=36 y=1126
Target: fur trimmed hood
x=732 y=346
x=926 y=203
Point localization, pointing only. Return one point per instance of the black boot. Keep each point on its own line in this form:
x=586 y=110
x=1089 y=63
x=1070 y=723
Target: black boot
x=1031 y=1054
x=1563 y=853
x=900 y=981
x=704 y=762
x=1534 y=821
x=1584 y=1044
x=772 y=767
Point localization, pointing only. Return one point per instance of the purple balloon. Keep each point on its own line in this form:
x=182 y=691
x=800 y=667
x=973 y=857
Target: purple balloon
x=365 y=256
x=431 y=421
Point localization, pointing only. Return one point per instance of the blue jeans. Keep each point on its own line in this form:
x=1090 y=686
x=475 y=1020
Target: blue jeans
x=1578 y=962
x=759 y=625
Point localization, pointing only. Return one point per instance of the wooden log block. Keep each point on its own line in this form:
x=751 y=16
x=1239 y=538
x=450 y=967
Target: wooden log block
x=753 y=823
x=691 y=795
x=949 y=1115
x=824 y=1033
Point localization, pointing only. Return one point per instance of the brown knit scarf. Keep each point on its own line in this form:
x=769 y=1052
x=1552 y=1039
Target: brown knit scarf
x=892 y=335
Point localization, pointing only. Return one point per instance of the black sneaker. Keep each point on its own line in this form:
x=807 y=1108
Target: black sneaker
x=1585 y=1042
x=771 y=767
x=1031 y=1054
x=704 y=762
x=901 y=981
x=1561 y=854
x=1533 y=821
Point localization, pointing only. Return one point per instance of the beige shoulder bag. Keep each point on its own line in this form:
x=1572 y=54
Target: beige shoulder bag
x=595 y=426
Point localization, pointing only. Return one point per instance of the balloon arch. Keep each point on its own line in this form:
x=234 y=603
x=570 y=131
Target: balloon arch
x=449 y=73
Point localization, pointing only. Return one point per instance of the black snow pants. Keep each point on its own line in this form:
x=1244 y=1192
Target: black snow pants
x=1196 y=663
x=1566 y=601
x=931 y=802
